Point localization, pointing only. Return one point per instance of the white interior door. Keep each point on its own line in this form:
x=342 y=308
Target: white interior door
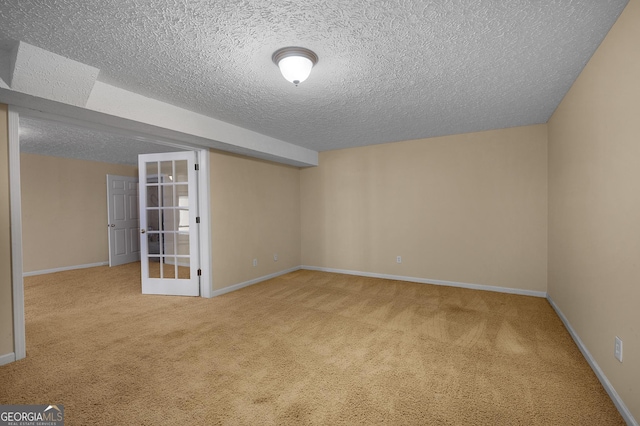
x=124 y=225
x=168 y=223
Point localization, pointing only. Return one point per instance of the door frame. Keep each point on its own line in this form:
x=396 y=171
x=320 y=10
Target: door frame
x=19 y=335
x=202 y=155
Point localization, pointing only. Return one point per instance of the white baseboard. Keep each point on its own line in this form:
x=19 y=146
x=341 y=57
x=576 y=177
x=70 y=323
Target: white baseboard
x=238 y=286
x=429 y=281
x=622 y=408
x=7 y=358
x=64 y=268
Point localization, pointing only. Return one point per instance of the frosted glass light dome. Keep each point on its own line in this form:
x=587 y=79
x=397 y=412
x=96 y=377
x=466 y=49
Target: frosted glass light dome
x=296 y=69
x=295 y=63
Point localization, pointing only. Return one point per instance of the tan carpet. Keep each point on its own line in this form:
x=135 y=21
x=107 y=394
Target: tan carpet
x=304 y=348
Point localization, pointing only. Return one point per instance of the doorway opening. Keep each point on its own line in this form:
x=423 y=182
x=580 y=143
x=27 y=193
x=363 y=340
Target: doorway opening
x=100 y=140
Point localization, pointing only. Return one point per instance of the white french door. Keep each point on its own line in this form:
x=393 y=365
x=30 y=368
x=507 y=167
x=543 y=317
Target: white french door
x=122 y=213
x=168 y=223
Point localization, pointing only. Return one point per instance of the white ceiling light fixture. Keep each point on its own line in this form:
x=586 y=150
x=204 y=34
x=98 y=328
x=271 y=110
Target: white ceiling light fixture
x=295 y=63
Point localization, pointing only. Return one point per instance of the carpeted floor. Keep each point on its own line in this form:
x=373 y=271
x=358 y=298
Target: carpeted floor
x=304 y=348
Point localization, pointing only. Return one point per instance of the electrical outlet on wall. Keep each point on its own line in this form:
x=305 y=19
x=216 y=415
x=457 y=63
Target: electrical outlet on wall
x=617 y=350
x=275 y=257
x=255 y=262
x=398 y=259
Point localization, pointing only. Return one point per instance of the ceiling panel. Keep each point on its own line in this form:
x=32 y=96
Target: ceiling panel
x=388 y=70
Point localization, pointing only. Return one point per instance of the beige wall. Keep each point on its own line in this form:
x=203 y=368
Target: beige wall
x=468 y=208
x=64 y=211
x=255 y=212
x=6 y=301
x=594 y=205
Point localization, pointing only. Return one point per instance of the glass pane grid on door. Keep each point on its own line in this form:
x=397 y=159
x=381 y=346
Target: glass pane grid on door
x=168 y=218
x=169 y=213
x=169 y=267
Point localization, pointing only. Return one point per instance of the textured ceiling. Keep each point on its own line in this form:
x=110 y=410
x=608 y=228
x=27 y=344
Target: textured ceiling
x=389 y=70
x=44 y=137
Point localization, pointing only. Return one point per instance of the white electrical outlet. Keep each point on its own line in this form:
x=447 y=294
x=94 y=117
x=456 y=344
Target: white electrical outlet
x=255 y=262
x=399 y=259
x=275 y=257
x=617 y=351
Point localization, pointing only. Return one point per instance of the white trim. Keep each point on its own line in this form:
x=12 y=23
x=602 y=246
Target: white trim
x=19 y=334
x=620 y=405
x=7 y=358
x=430 y=281
x=206 y=279
x=238 y=286
x=64 y=268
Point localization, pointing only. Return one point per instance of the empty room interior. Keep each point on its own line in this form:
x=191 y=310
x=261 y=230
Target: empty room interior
x=437 y=222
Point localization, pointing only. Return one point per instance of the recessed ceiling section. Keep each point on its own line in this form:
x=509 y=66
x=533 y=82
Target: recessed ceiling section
x=52 y=138
x=41 y=73
x=389 y=70
x=6 y=58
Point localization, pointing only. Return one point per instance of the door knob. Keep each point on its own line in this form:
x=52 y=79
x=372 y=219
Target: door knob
x=113 y=225
x=142 y=231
